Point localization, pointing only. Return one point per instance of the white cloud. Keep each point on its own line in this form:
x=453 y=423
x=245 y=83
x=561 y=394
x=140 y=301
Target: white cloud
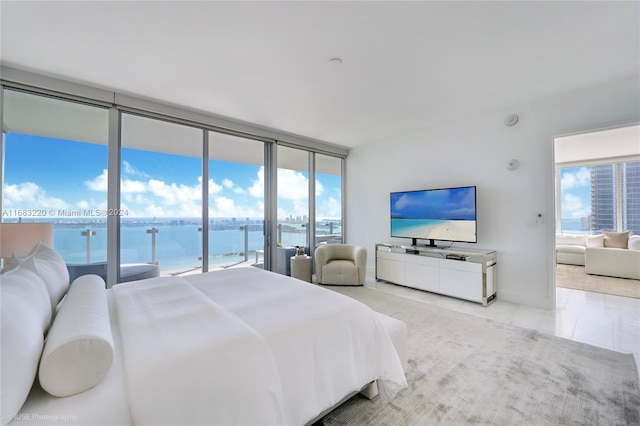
x=128 y=186
x=292 y=185
x=214 y=188
x=257 y=187
x=574 y=207
x=580 y=178
x=228 y=184
x=99 y=183
x=330 y=208
x=224 y=207
x=128 y=169
x=157 y=198
x=28 y=195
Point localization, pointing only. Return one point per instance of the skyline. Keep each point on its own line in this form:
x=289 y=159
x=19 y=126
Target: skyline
x=55 y=175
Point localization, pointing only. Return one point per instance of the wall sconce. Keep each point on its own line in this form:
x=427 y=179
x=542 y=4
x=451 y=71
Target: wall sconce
x=19 y=238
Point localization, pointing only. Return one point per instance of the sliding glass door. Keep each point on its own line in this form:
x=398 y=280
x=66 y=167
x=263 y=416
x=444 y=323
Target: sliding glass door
x=293 y=205
x=188 y=196
x=160 y=195
x=55 y=155
x=236 y=201
x=328 y=188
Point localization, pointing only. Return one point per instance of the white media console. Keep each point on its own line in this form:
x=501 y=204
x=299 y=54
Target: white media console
x=463 y=273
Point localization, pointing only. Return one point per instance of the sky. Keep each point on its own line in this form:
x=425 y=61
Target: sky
x=52 y=174
x=454 y=203
x=576 y=195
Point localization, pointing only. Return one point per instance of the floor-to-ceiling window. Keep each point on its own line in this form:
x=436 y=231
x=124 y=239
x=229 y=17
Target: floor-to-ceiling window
x=631 y=196
x=54 y=154
x=328 y=195
x=598 y=181
x=602 y=197
x=128 y=181
x=160 y=194
x=236 y=200
x=293 y=204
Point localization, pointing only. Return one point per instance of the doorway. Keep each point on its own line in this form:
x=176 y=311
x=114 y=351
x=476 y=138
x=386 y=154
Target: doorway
x=597 y=182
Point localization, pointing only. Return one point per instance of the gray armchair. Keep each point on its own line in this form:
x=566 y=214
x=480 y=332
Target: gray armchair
x=341 y=264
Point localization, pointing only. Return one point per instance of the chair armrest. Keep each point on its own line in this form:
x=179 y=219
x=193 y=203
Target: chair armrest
x=360 y=257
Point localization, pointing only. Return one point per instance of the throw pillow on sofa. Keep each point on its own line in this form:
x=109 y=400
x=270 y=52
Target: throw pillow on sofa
x=595 y=240
x=634 y=242
x=616 y=239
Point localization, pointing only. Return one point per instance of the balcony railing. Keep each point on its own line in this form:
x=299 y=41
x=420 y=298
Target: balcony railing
x=239 y=248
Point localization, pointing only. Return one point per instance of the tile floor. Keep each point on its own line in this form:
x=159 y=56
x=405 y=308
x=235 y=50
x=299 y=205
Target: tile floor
x=607 y=321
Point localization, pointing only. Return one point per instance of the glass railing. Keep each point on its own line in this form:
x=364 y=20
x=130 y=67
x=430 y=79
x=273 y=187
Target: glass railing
x=176 y=245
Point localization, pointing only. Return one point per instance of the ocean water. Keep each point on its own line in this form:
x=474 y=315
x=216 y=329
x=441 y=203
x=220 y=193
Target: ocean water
x=412 y=227
x=574 y=226
x=178 y=245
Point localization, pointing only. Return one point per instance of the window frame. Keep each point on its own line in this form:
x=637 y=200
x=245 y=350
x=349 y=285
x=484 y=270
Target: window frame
x=117 y=104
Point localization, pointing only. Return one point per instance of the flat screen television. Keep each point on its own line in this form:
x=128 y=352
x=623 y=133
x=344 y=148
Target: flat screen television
x=443 y=214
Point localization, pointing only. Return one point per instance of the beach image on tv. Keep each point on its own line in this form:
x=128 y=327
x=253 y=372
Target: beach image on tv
x=439 y=214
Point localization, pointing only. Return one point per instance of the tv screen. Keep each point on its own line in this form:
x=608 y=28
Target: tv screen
x=445 y=214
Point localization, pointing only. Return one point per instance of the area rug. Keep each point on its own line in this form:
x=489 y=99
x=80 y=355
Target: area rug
x=573 y=276
x=466 y=370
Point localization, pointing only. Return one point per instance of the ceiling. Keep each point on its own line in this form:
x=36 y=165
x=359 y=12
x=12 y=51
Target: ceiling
x=406 y=66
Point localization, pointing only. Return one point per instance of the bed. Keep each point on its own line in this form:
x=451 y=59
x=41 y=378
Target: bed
x=237 y=346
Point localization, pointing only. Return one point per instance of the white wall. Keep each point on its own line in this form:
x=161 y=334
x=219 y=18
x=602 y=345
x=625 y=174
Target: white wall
x=475 y=151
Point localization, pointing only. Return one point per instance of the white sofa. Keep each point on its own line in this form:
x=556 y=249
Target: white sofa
x=619 y=256
x=570 y=249
x=613 y=262
x=614 y=254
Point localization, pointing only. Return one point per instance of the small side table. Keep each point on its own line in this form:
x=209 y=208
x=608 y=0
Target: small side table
x=301 y=267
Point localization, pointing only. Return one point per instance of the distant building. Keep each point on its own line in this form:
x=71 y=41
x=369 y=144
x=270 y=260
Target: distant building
x=631 y=197
x=584 y=223
x=604 y=202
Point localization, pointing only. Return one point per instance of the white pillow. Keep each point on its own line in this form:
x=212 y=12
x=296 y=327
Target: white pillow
x=31 y=286
x=25 y=315
x=15 y=262
x=52 y=269
x=78 y=353
x=57 y=278
x=571 y=240
x=595 y=240
x=634 y=242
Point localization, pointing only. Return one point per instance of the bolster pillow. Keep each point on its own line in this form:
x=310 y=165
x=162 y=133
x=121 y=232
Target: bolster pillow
x=78 y=352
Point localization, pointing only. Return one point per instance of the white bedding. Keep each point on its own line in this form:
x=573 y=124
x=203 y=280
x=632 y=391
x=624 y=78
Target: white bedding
x=103 y=405
x=238 y=346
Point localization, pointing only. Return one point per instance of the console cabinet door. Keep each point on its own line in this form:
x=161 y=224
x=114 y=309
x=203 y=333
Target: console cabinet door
x=423 y=273
x=461 y=279
x=390 y=267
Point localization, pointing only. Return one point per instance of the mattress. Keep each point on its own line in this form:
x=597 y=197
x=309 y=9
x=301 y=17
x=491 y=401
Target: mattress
x=236 y=346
